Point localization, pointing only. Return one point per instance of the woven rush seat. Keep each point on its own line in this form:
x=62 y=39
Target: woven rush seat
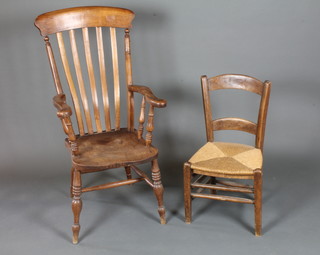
x=112 y=149
x=226 y=159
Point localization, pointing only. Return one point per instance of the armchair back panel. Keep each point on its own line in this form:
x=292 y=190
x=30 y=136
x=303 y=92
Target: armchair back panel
x=90 y=50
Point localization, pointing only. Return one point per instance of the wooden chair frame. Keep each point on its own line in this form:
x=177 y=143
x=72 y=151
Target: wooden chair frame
x=97 y=17
x=209 y=181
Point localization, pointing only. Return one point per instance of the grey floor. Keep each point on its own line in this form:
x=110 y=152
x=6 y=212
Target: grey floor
x=35 y=214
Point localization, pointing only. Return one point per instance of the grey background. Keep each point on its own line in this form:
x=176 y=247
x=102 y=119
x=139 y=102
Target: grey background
x=174 y=42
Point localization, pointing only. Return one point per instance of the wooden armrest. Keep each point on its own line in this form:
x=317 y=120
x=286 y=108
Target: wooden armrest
x=150 y=97
x=64 y=110
x=64 y=113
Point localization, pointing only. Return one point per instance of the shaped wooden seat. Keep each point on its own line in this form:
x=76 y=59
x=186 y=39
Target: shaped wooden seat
x=228 y=160
x=85 y=37
x=112 y=150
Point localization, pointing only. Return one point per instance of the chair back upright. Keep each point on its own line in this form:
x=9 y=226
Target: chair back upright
x=235 y=81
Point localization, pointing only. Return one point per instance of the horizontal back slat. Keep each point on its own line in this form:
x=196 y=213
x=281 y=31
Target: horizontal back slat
x=234 y=124
x=80 y=17
x=233 y=81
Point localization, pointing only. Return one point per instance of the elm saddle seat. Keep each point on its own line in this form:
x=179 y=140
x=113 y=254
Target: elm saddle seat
x=111 y=150
x=85 y=39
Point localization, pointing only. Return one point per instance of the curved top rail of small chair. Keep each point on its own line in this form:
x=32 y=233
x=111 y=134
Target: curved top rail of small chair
x=236 y=81
x=85 y=16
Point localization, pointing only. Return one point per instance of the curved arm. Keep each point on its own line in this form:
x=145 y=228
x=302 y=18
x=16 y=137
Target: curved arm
x=150 y=97
x=64 y=112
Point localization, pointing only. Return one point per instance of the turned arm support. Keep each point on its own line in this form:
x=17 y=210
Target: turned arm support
x=149 y=97
x=148 y=94
x=64 y=112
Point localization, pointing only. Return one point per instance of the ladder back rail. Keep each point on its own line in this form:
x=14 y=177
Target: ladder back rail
x=70 y=81
x=234 y=124
x=235 y=81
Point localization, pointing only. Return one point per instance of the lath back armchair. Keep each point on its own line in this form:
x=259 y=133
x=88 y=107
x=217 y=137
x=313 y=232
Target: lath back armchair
x=98 y=142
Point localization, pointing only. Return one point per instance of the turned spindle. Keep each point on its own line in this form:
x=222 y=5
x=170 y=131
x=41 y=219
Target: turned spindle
x=150 y=126
x=141 y=118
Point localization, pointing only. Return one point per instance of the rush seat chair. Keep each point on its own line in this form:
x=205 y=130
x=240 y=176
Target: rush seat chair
x=212 y=164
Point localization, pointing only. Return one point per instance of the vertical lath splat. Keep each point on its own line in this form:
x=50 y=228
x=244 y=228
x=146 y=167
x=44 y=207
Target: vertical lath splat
x=80 y=80
x=103 y=78
x=115 y=64
x=72 y=88
x=86 y=42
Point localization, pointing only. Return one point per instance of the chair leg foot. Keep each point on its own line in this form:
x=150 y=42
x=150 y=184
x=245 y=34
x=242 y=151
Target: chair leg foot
x=76 y=205
x=162 y=213
x=187 y=192
x=158 y=190
x=258 y=201
x=75 y=230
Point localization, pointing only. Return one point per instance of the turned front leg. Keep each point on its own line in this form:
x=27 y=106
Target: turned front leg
x=158 y=190
x=76 y=204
